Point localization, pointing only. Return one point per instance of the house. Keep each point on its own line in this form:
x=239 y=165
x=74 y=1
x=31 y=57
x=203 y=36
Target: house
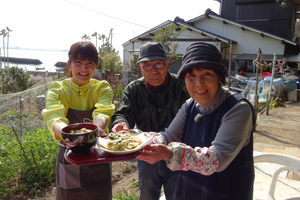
x=237 y=38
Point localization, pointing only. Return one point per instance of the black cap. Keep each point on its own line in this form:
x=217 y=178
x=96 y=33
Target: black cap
x=201 y=54
x=152 y=51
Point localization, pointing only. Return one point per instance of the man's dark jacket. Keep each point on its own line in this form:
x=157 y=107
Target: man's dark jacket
x=151 y=109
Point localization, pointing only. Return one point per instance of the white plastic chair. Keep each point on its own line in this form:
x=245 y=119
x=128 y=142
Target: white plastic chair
x=289 y=163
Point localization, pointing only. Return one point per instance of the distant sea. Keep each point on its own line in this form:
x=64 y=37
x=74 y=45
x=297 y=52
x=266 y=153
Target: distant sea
x=47 y=57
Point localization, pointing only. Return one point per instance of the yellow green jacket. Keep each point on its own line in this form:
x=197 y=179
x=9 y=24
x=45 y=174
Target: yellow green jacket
x=58 y=99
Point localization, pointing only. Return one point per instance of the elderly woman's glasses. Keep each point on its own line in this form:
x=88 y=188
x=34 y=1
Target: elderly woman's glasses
x=148 y=67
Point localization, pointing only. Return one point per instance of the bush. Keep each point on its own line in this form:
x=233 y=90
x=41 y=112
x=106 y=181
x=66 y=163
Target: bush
x=14 y=79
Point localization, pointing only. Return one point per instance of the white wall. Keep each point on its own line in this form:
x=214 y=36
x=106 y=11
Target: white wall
x=248 y=41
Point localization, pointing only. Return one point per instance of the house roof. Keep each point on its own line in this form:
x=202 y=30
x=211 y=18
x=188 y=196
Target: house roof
x=268 y=57
x=216 y=37
x=203 y=32
x=209 y=13
x=149 y=32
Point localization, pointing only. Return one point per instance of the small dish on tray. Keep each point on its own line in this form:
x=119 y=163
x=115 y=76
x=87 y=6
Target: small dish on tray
x=102 y=144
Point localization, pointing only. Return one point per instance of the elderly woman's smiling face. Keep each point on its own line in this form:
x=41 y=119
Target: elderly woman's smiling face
x=202 y=84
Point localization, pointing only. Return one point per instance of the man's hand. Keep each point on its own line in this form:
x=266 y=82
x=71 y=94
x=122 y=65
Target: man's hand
x=120 y=127
x=154 y=153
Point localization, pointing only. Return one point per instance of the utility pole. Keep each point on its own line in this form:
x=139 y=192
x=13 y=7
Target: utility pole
x=110 y=37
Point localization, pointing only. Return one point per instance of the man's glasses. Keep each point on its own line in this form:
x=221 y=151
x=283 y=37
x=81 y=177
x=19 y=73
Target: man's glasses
x=148 y=67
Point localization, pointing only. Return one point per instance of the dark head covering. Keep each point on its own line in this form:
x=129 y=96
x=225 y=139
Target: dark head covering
x=203 y=55
x=152 y=51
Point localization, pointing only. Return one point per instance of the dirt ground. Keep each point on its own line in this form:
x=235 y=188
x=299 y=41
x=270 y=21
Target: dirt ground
x=280 y=128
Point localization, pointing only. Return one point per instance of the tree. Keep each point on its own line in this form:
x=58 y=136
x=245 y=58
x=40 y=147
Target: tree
x=167 y=37
x=134 y=68
x=14 y=79
x=85 y=37
x=106 y=46
x=95 y=35
x=109 y=59
x=3 y=33
x=8 y=30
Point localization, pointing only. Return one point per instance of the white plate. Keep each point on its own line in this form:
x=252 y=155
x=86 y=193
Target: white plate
x=102 y=144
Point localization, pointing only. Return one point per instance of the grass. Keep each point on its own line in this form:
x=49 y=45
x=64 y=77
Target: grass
x=126 y=196
x=18 y=172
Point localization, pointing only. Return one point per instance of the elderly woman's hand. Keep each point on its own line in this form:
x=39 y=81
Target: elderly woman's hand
x=120 y=128
x=154 y=153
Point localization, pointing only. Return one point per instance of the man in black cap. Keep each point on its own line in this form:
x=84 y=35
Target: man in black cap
x=150 y=103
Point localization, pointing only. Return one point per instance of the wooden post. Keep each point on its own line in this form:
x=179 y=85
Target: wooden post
x=271 y=83
x=37 y=168
x=257 y=65
x=229 y=70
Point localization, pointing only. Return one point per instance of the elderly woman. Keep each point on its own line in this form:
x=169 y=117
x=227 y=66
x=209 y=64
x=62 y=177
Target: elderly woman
x=210 y=141
x=80 y=99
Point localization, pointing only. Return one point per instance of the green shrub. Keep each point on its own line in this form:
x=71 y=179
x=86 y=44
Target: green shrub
x=14 y=79
x=119 y=91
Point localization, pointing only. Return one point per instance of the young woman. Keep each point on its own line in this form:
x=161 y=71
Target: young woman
x=80 y=99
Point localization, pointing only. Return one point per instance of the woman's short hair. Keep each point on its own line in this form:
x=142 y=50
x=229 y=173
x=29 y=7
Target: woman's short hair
x=86 y=50
x=83 y=50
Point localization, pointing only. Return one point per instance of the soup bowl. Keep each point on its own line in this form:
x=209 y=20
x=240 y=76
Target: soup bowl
x=80 y=142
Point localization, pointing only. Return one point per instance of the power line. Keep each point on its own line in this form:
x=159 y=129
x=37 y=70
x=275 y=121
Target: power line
x=114 y=17
x=106 y=14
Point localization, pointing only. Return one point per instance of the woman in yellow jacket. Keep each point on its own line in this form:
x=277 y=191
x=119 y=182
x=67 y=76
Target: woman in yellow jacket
x=80 y=99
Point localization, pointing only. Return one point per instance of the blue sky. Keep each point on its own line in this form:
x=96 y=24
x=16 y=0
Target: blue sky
x=57 y=24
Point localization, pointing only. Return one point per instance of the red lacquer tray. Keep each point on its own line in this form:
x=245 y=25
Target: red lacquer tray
x=97 y=155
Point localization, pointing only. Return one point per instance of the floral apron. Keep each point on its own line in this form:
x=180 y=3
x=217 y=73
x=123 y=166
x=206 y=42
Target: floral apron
x=85 y=181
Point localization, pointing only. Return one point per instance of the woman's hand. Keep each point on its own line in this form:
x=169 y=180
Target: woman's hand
x=120 y=128
x=101 y=132
x=57 y=128
x=154 y=153
x=100 y=122
x=70 y=144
